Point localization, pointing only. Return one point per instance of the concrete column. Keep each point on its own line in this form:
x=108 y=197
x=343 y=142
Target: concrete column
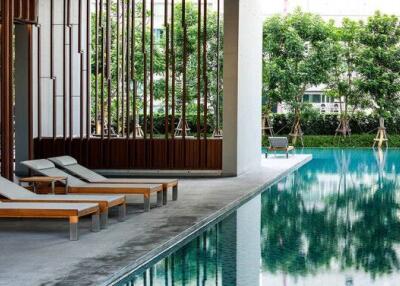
x=21 y=98
x=242 y=86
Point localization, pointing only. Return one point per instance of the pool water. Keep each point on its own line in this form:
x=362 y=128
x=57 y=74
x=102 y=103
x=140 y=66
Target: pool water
x=335 y=221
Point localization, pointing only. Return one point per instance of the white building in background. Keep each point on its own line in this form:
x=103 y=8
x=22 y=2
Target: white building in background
x=329 y=10
x=316 y=98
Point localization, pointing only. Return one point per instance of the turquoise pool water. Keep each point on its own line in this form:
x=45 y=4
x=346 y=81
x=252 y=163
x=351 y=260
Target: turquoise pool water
x=335 y=221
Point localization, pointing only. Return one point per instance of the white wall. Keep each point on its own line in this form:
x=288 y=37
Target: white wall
x=45 y=80
x=242 y=86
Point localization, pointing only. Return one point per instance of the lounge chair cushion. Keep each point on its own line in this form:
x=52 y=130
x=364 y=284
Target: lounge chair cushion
x=11 y=191
x=40 y=164
x=72 y=166
x=51 y=170
x=48 y=206
x=85 y=173
x=278 y=142
x=63 y=161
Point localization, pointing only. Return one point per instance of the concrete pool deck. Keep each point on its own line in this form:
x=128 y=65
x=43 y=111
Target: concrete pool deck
x=38 y=252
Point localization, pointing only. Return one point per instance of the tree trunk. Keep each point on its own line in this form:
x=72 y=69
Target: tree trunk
x=344 y=126
x=296 y=128
x=381 y=136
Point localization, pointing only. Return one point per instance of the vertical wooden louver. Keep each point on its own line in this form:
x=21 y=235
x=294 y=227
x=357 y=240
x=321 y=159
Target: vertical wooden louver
x=145 y=109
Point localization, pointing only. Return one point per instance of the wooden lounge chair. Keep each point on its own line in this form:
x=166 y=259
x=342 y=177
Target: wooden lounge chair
x=75 y=185
x=279 y=144
x=54 y=210
x=71 y=165
x=15 y=193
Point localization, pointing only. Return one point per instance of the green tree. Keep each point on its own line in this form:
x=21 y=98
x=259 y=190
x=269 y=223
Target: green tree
x=299 y=51
x=378 y=64
x=120 y=64
x=343 y=77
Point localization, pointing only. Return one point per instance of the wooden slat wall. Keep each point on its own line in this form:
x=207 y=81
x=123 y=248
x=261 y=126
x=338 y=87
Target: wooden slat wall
x=130 y=147
x=7 y=90
x=24 y=11
x=120 y=153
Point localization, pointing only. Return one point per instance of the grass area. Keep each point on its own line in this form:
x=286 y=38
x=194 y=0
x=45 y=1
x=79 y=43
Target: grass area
x=356 y=140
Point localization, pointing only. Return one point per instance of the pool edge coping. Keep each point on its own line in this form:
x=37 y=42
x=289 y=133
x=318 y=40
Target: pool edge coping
x=168 y=246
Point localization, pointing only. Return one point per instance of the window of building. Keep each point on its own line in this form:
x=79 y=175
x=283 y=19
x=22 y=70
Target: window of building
x=316 y=98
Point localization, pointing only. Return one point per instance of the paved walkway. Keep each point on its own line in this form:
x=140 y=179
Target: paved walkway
x=36 y=252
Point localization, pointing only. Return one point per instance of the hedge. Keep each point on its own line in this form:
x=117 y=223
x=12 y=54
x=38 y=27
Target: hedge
x=312 y=123
x=326 y=124
x=159 y=122
x=355 y=141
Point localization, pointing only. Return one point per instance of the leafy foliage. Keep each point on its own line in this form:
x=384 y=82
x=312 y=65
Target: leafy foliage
x=299 y=52
x=379 y=62
x=315 y=123
x=120 y=63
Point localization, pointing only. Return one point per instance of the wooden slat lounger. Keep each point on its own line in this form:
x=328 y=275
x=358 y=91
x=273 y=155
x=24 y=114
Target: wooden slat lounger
x=71 y=165
x=54 y=210
x=77 y=186
x=15 y=193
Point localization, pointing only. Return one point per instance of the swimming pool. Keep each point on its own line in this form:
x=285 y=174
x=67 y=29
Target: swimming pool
x=334 y=221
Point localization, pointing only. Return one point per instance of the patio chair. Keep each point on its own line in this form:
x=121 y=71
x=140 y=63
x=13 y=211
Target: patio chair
x=15 y=193
x=71 y=165
x=53 y=210
x=75 y=185
x=279 y=144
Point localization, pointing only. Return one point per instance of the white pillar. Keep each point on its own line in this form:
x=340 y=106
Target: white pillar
x=242 y=86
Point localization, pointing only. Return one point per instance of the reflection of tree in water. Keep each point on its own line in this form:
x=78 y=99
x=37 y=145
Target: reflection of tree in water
x=295 y=240
x=357 y=227
x=377 y=231
x=194 y=264
x=282 y=246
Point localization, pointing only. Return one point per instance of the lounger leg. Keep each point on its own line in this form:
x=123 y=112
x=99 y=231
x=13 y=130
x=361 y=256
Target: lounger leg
x=175 y=193
x=122 y=212
x=160 y=198
x=104 y=219
x=146 y=202
x=73 y=228
x=95 y=222
x=165 y=196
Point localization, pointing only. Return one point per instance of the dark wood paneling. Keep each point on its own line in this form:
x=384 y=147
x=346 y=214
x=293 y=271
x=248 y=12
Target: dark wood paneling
x=122 y=153
x=24 y=11
x=7 y=90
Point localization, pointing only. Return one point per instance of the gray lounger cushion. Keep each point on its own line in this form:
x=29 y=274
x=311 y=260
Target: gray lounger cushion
x=12 y=191
x=70 y=164
x=63 y=161
x=278 y=142
x=47 y=168
x=74 y=181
